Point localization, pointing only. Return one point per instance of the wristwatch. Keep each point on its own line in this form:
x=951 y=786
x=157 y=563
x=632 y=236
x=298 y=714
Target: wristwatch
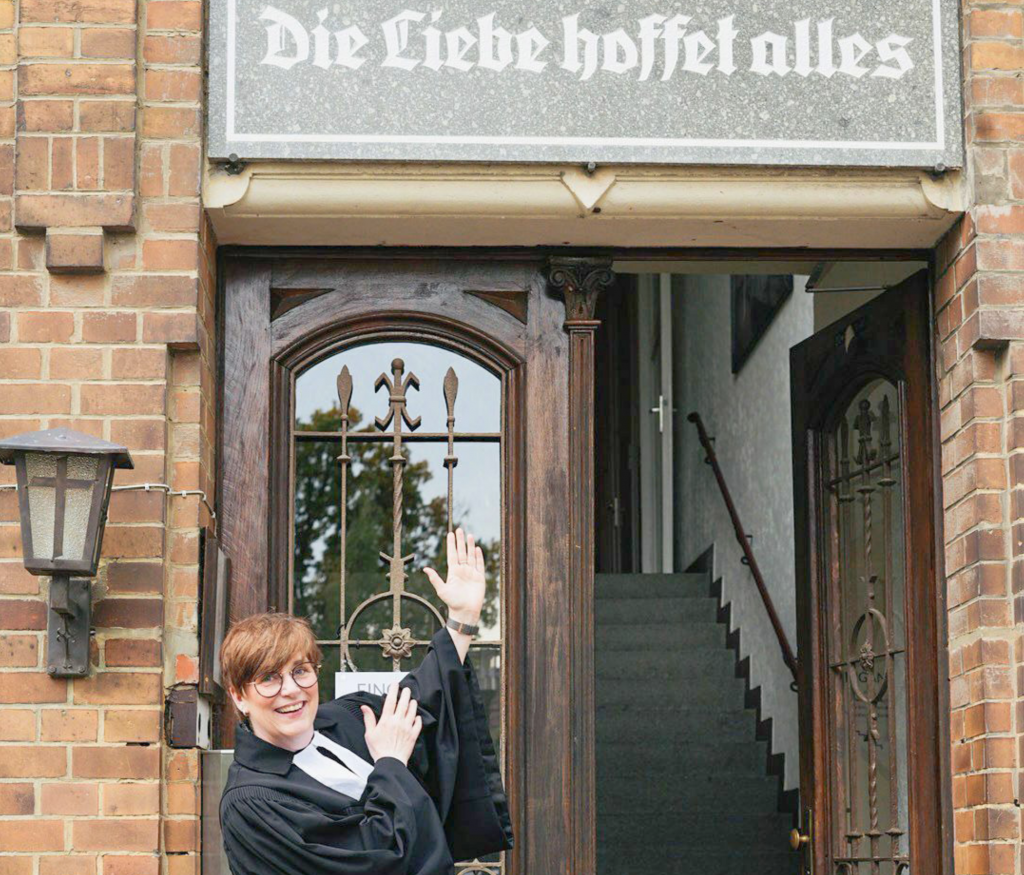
x=464 y=628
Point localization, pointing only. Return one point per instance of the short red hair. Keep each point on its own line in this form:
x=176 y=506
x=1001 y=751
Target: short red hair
x=264 y=643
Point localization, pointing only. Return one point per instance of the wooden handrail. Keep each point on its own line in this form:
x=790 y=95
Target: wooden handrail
x=744 y=542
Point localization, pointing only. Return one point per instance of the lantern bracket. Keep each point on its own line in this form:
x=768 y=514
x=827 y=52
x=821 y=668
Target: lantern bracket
x=68 y=626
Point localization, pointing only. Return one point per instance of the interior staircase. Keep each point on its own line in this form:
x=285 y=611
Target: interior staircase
x=683 y=785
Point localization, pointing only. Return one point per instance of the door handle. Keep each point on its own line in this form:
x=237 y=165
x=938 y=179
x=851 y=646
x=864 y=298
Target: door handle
x=804 y=843
x=660 y=410
x=615 y=506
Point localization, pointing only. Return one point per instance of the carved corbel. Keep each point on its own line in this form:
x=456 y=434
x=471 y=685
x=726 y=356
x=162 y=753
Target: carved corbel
x=579 y=281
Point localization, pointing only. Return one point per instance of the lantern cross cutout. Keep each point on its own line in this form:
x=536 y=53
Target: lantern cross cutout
x=64 y=483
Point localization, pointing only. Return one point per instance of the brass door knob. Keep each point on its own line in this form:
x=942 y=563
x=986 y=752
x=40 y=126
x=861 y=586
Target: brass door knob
x=798 y=840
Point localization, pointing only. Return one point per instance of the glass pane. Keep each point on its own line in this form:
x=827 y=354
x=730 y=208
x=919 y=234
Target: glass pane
x=316 y=575
x=41 y=508
x=479 y=390
x=487 y=665
x=83 y=467
x=323 y=560
x=866 y=635
x=41 y=502
x=476 y=484
x=369 y=624
x=331 y=664
x=78 y=503
x=40 y=465
x=370 y=657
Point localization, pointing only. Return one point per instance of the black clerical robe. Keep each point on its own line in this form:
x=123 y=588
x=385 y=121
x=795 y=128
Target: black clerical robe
x=448 y=804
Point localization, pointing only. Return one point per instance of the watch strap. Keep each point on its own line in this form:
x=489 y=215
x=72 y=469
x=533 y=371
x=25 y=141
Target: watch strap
x=464 y=628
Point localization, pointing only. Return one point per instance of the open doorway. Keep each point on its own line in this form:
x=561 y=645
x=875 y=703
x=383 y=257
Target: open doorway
x=694 y=444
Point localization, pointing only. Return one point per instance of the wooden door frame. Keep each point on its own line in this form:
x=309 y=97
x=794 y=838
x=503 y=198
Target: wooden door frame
x=924 y=564
x=532 y=320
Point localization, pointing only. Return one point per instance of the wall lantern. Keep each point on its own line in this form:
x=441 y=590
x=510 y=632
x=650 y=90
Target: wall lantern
x=64 y=482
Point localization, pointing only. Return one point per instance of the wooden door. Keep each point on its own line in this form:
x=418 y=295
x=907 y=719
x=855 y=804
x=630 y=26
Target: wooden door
x=501 y=348
x=874 y=720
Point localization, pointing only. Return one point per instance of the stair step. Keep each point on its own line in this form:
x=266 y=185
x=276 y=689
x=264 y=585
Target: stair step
x=651 y=585
x=752 y=861
x=650 y=725
x=697 y=692
x=738 y=795
x=680 y=759
x=660 y=638
x=671 y=665
x=681 y=779
x=677 y=611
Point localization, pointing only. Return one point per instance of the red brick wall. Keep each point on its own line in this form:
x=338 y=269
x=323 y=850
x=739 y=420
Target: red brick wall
x=106 y=313
x=980 y=326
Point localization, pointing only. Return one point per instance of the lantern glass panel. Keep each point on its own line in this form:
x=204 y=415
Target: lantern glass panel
x=41 y=502
x=78 y=504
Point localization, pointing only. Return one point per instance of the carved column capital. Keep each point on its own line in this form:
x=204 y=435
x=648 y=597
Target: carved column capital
x=579 y=281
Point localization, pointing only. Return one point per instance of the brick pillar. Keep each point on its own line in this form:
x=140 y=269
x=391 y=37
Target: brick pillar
x=980 y=325
x=106 y=325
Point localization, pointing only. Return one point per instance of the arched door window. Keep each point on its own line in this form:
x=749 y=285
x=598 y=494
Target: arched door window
x=394 y=444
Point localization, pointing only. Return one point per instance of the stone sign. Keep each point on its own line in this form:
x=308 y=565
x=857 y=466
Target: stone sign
x=806 y=82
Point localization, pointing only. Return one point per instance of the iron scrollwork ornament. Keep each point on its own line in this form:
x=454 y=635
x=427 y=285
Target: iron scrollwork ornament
x=866 y=461
x=397 y=642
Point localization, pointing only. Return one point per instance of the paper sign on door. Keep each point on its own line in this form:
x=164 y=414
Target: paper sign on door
x=376 y=682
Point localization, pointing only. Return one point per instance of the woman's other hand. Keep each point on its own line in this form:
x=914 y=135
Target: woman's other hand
x=464 y=589
x=395 y=733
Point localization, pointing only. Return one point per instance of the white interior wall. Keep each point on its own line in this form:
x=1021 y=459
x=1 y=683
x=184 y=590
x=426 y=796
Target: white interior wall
x=749 y=416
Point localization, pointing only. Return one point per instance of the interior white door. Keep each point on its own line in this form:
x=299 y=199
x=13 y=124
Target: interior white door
x=654 y=324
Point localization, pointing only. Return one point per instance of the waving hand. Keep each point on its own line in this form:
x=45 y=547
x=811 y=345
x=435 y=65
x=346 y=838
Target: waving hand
x=464 y=589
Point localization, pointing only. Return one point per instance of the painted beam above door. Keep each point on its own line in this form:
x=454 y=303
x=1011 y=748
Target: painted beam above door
x=327 y=204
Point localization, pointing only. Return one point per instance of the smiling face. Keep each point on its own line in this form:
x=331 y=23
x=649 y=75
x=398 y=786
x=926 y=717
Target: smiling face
x=284 y=720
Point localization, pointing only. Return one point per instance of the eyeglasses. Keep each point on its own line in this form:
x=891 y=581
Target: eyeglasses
x=270 y=684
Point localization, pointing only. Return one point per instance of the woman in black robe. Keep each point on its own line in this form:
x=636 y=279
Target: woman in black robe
x=362 y=785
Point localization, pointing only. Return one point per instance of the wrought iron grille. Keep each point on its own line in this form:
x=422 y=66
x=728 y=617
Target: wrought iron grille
x=334 y=455
x=866 y=638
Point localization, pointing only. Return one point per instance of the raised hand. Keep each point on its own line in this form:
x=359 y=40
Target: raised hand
x=395 y=733
x=464 y=589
